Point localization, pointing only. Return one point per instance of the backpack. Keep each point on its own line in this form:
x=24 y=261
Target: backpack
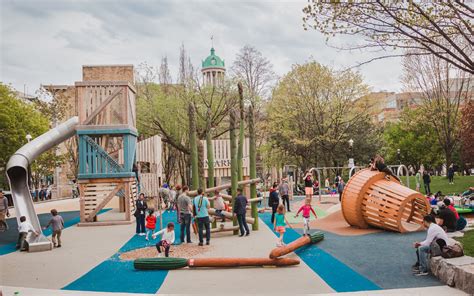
x=453 y=251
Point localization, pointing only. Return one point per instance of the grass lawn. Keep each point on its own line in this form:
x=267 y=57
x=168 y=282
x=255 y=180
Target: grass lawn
x=468 y=242
x=440 y=183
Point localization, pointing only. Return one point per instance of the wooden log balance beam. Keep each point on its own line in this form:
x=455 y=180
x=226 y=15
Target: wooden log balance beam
x=223 y=229
x=251 y=200
x=225 y=186
x=370 y=198
x=175 y=263
x=302 y=241
x=230 y=216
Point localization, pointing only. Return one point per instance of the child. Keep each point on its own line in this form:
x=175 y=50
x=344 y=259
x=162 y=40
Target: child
x=307 y=209
x=279 y=224
x=150 y=223
x=167 y=238
x=23 y=230
x=57 y=224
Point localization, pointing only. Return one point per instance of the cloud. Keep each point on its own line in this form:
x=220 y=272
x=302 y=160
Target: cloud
x=48 y=41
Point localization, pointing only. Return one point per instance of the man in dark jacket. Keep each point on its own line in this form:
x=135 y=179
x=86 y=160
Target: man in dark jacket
x=447 y=218
x=140 y=209
x=426 y=182
x=274 y=200
x=240 y=208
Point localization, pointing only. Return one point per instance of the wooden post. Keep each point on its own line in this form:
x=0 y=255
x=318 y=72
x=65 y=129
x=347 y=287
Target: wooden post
x=193 y=147
x=253 y=166
x=233 y=164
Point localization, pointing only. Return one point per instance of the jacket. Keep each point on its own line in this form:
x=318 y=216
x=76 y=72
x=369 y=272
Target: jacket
x=140 y=208
x=240 y=205
x=274 y=199
x=150 y=222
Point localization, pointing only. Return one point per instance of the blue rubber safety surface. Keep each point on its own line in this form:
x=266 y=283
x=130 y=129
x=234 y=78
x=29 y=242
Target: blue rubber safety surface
x=9 y=238
x=385 y=258
x=335 y=273
x=115 y=275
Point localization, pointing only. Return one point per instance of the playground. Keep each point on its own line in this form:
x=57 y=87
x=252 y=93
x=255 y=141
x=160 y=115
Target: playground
x=361 y=243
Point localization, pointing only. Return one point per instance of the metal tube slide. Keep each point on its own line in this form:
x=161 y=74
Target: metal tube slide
x=17 y=173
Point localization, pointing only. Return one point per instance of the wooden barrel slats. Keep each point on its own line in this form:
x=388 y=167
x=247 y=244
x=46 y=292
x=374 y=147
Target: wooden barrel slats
x=371 y=199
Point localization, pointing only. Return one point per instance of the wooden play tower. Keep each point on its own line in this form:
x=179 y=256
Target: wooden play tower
x=370 y=198
x=107 y=139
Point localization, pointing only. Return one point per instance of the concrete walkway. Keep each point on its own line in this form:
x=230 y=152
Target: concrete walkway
x=82 y=249
x=289 y=280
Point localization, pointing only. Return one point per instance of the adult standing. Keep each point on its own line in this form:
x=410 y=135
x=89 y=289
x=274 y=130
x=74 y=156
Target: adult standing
x=418 y=180
x=201 y=206
x=340 y=188
x=308 y=184
x=140 y=209
x=451 y=174
x=184 y=209
x=273 y=200
x=284 y=190
x=240 y=209
x=426 y=182
x=3 y=211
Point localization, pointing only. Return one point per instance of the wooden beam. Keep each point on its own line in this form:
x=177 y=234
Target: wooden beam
x=102 y=105
x=104 y=202
x=229 y=215
x=225 y=186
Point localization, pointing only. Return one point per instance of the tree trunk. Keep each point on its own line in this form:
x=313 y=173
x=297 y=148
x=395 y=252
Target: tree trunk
x=240 y=154
x=210 y=162
x=193 y=147
x=202 y=178
x=233 y=163
x=253 y=166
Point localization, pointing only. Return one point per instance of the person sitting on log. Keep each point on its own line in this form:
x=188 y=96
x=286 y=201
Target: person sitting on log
x=219 y=204
x=379 y=165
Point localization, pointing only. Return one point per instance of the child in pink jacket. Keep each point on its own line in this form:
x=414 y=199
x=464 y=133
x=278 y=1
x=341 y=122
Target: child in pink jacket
x=307 y=209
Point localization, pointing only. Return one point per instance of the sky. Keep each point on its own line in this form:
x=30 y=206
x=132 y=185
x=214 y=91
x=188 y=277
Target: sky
x=47 y=42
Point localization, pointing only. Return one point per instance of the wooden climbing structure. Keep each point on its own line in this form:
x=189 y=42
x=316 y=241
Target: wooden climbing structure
x=107 y=138
x=371 y=198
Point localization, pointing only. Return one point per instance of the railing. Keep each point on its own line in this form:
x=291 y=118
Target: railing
x=98 y=161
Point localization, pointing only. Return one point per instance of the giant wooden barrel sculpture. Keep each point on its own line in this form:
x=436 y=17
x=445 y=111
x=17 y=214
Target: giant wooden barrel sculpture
x=369 y=198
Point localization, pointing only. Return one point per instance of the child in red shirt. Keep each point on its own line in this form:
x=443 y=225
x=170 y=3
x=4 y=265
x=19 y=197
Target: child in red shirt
x=150 y=223
x=307 y=209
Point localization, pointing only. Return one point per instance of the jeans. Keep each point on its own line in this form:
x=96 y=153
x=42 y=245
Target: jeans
x=427 y=188
x=185 y=220
x=243 y=224
x=274 y=209
x=165 y=245
x=306 y=225
x=286 y=201
x=149 y=232
x=140 y=223
x=422 y=255
x=204 y=222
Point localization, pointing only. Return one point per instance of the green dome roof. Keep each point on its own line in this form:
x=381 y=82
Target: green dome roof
x=213 y=61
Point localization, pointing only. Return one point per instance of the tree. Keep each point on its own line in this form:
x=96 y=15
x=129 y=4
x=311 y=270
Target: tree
x=415 y=137
x=255 y=72
x=313 y=114
x=17 y=119
x=439 y=28
x=467 y=135
x=443 y=88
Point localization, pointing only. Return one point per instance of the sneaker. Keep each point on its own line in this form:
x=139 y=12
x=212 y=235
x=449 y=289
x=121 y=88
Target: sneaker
x=422 y=273
x=207 y=243
x=200 y=244
x=415 y=267
x=240 y=235
x=248 y=233
x=59 y=246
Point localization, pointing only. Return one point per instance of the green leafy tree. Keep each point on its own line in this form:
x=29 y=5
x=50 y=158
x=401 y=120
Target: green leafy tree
x=312 y=115
x=416 y=139
x=17 y=119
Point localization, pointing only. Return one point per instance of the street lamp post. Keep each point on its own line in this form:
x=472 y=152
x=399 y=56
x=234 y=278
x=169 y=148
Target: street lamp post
x=28 y=137
x=351 y=157
x=398 y=155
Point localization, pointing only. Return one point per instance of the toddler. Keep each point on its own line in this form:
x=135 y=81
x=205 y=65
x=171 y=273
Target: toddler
x=150 y=223
x=23 y=230
x=57 y=224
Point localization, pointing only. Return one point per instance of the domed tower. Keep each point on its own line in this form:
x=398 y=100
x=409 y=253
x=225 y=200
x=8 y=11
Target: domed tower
x=213 y=69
